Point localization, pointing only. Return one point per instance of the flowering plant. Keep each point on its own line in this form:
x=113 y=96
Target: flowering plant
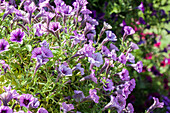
x=55 y=54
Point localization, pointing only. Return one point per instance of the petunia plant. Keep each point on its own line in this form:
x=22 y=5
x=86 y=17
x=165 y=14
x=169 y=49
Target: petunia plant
x=53 y=58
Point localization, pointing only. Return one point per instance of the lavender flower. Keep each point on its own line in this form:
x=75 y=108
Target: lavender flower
x=67 y=107
x=25 y=100
x=78 y=96
x=93 y=95
x=42 y=110
x=122 y=58
x=155 y=105
x=129 y=30
x=17 y=35
x=4 y=45
x=5 y=109
x=65 y=70
x=141 y=7
x=96 y=59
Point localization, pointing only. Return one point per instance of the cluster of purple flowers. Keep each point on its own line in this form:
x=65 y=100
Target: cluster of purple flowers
x=24 y=100
x=74 y=36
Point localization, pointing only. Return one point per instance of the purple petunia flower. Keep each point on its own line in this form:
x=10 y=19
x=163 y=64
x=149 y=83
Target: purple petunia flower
x=45 y=44
x=54 y=26
x=113 y=47
x=123 y=23
x=78 y=96
x=141 y=7
x=131 y=84
x=122 y=58
x=4 y=45
x=78 y=67
x=90 y=77
x=96 y=59
x=138 y=66
x=120 y=103
x=35 y=103
x=105 y=51
x=8 y=95
x=41 y=51
x=130 y=108
x=66 y=10
x=25 y=100
x=111 y=36
x=89 y=27
x=111 y=103
x=46 y=4
x=67 y=107
x=108 y=85
x=93 y=95
x=155 y=105
x=17 y=35
x=117 y=102
x=64 y=70
x=129 y=30
x=5 y=109
x=113 y=55
x=40 y=29
x=87 y=50
x=30 y=8
x=107 y=26
x=77 y=38
x=124 y=75
x=42 y=110
x=130 y=58
x=133 y=46
x=106 y=64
